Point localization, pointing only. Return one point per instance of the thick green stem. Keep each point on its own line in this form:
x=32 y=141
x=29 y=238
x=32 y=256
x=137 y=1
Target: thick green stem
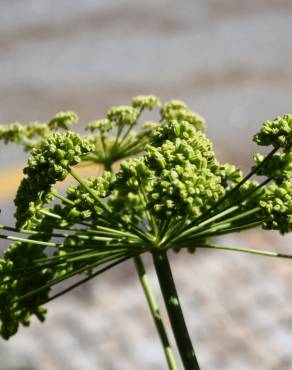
x=155 y=312
x=174 y=310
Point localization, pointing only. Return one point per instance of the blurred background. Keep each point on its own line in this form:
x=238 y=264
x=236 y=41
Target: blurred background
x=231 y=62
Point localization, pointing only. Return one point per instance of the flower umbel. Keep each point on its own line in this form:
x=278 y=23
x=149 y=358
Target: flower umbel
x=175 y=195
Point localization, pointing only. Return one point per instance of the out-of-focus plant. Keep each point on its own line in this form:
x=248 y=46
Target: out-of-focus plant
x=173 y=195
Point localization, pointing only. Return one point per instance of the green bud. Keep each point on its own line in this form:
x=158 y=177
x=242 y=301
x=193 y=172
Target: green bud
x=103 y=125
x=145 y=101
x=179 y=111
x=123 y=115
x=277 y=133
x=63 y=120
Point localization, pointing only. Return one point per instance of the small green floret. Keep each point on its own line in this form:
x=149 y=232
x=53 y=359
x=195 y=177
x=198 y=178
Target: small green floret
x=102 y=125
x=179 y=111
x=278 y=167
x=63 y=120
x=146 y=102
x=47 y=165
x=188 y=175
x=277 y=133
x=276 y=205
x=123 y=115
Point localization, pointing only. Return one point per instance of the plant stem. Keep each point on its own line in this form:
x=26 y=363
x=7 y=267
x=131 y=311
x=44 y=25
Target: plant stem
x=70 y=274
x=174 y=310
x=221 y=230
x=29 y=241
x=227 y=223
x=155 y=312
x=61 y=197
x=197 y=227
x=102 y=204
x=80 y=282
x=245 y=250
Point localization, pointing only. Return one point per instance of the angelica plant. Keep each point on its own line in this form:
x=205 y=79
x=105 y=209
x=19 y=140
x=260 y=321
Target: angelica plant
x=173 y=195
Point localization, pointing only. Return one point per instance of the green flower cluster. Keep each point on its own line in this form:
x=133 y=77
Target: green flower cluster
x=230 y=174
x=81 y=205
x=277 y=133
x=179 y=111
x=123 y=116
x=47 y=164
x=102 y=125
x=146 y=102
x=278 y=167
x=29 y=201
x=17 y=278
x=52 y=161
x=63 y=120
x=116 y=137
x=23 y=134
x=275 y=200
x=32 y=134
x=132 y=184
x=176 y=195
x=276 y=205
x=187 y=174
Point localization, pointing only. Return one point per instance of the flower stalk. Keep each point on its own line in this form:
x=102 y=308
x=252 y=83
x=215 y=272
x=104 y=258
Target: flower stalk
x=155 y=313
x=175 y=314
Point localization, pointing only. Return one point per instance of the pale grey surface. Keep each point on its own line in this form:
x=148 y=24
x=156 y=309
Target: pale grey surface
x=231 y=61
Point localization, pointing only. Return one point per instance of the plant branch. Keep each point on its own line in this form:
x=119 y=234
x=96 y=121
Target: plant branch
x=82 y=281
x=245 y=250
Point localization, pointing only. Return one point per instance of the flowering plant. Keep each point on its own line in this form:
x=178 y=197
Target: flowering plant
x=173 y=195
